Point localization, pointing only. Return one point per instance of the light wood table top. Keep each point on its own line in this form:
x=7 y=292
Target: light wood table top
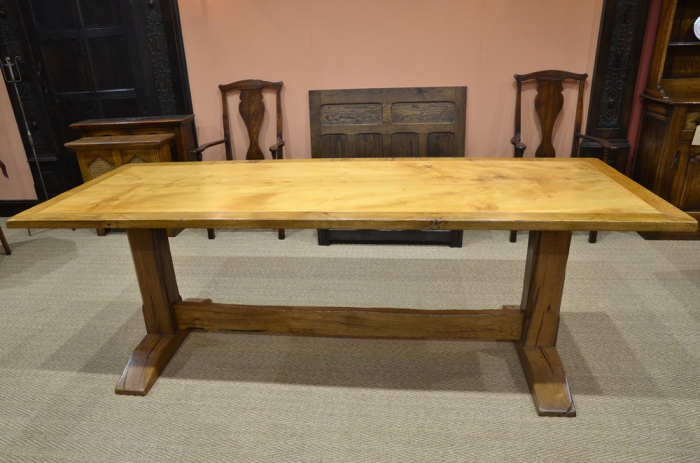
x=436 y=193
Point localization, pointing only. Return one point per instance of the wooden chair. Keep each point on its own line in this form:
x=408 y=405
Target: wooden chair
x=252 y=111
x=4 y=242
x=548 y=104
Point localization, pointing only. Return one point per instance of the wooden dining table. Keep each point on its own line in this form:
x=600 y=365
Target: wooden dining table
x=550 y=198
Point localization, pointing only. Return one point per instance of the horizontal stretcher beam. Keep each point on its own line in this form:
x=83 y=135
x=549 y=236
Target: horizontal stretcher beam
x=487 y=325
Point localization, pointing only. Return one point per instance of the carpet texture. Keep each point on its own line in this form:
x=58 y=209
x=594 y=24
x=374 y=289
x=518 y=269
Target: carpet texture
x=70 y=317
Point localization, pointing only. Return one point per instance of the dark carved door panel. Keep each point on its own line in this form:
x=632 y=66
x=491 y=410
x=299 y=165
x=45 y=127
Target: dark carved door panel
x=90 y=59
x=620 y=41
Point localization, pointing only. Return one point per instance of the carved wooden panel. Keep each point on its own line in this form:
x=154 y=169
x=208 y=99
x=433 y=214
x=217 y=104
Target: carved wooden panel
x=391 y=122
x=620 y=40
x=423 y=113
x=351 y=114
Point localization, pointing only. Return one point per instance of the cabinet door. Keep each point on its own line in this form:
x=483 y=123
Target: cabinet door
x=688 y=185
x=652 y=168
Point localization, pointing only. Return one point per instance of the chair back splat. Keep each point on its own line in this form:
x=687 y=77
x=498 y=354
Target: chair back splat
x=252 y=111
x=548 y=105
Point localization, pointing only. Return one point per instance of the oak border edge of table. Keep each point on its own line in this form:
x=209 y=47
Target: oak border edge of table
x=670 y=220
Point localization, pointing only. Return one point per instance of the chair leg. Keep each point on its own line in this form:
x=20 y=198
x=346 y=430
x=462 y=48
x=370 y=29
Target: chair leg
x=210 y=233
x=5 y=245
x=513 y=236
x=280 y=233
x=592 y=236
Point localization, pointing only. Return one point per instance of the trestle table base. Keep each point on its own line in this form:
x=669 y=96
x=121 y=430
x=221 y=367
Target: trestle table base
x=532 y=326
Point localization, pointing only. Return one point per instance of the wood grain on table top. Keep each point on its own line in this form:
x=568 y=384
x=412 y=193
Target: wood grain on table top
x=436 y=193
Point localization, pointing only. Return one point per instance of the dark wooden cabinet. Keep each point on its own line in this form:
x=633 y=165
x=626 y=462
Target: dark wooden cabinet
x=182 y=127
x=666 y=162
x=622 y=27
x=89 y=60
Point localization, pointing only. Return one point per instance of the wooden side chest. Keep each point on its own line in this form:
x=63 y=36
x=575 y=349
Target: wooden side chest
x=99 y=155
x=180 y=126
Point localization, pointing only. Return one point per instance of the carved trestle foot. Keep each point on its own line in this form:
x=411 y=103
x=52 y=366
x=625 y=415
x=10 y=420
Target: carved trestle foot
x=547 y=380
x=148 y=361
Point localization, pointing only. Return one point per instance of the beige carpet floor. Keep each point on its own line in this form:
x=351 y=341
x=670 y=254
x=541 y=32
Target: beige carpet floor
x=70 y=316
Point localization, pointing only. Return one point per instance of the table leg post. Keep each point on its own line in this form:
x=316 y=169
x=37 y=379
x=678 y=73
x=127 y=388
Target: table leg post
x=156 y=276
x=542 y=292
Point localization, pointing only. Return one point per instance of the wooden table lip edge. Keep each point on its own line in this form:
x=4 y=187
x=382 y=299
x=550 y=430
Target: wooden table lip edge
x=671 y=218
x=146 y=220
x=119 y=141
x=638 y=190
x=131 y=121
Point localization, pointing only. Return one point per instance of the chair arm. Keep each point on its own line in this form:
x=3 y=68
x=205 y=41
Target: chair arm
x=601 y=141
x=199 y=150
x=520 y=147
x=276 y=150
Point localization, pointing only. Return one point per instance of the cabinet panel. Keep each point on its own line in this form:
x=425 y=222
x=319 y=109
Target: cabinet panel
x=689 y=199
x=665 y=160
x=649 y=151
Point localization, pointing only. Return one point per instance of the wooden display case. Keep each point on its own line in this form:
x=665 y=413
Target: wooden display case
x=666 y=162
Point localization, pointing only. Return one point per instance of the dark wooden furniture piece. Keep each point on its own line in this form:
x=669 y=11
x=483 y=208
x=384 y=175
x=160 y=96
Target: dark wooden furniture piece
x=388 y=122
x=548 y=104
x=89 y=60
x=5 y=244
x=666 y=162
x=612 y=92
x=181 y=126
x=442 y=193
x=252 y=111
x=99 y=155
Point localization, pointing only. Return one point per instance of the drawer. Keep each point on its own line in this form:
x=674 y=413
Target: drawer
x=99 y=155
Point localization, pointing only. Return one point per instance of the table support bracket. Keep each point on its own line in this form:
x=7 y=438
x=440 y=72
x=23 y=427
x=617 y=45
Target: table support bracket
x=532 y=326
x=547 y=380
x=148 y=361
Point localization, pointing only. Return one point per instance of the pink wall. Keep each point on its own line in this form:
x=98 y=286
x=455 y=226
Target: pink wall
x=317 y=44
x=20 y=185
x=324 y=44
